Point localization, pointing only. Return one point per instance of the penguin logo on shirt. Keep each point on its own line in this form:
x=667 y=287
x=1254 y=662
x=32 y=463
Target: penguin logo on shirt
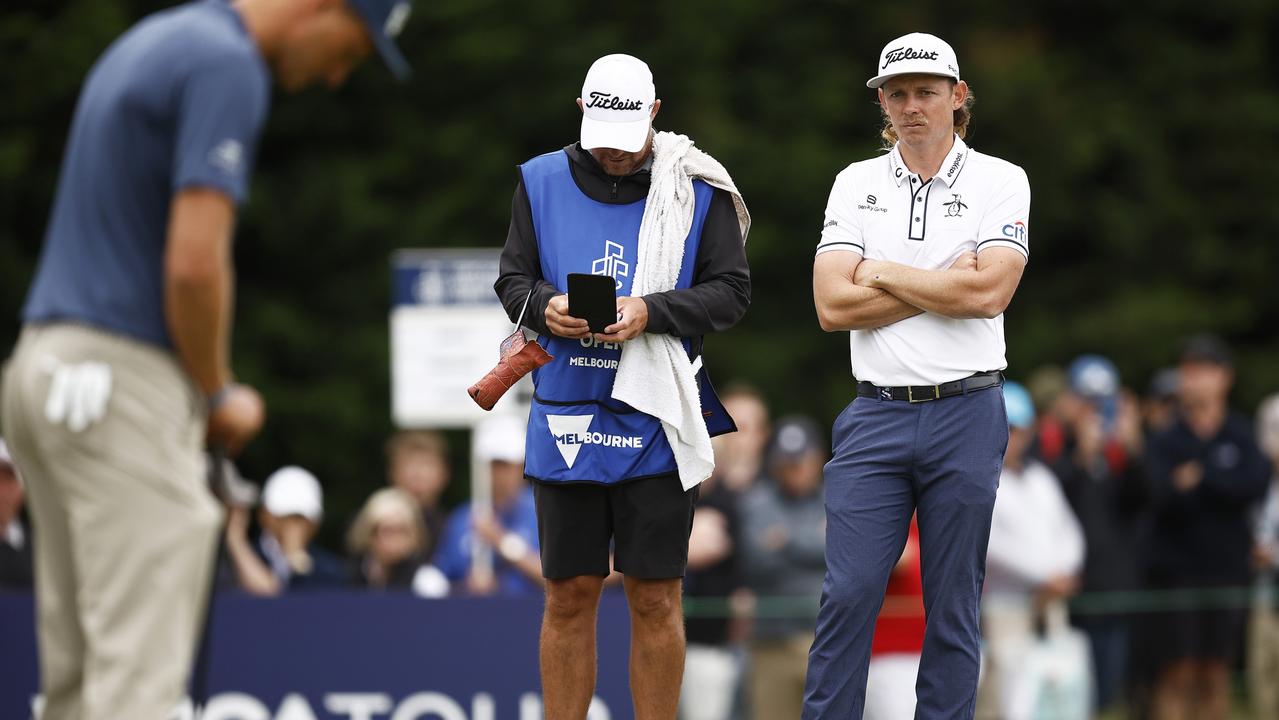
x=955 y=207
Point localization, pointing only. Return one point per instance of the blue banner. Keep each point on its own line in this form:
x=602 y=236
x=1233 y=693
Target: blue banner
x=360 y=656
x=444 y=277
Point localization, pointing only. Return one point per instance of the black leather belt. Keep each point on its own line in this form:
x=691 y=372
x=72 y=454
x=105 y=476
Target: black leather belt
x=925 y=393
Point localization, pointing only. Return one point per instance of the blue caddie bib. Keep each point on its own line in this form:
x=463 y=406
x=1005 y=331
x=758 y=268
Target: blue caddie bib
x=577 y=432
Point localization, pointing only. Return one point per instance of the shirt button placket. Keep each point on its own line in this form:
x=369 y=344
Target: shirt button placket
x=918 y=208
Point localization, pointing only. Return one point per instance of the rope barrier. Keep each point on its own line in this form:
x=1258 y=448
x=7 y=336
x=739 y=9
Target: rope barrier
x=1092 y=603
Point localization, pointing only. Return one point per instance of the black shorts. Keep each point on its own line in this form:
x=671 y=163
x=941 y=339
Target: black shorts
x=1211 y=633
x=647 y=521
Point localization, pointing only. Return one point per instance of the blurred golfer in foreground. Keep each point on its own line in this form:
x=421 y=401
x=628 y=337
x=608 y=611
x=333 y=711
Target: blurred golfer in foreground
x=123 y=368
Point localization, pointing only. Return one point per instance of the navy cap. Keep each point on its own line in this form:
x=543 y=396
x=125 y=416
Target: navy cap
x=1208 y=349
x=384 y=19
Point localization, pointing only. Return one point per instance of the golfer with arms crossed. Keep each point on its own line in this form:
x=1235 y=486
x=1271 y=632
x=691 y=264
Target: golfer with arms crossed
x=921 y=251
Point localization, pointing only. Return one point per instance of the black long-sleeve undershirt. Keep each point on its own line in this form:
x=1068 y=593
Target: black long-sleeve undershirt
x=721 y=287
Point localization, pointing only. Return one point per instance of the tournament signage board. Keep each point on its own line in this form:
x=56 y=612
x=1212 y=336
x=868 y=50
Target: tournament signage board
x=446 y=326
x=355 y=655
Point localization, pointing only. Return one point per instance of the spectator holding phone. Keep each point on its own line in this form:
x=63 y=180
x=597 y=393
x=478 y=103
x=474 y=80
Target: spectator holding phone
x=283 y=557
x=1100 y=468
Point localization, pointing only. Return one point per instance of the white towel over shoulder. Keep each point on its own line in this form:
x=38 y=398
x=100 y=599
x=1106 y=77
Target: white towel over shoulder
x=655 y=375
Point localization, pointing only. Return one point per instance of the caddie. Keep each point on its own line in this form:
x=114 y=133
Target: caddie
x=617 y=439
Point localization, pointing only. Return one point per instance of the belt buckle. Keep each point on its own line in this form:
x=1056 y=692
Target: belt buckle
x=910 y=394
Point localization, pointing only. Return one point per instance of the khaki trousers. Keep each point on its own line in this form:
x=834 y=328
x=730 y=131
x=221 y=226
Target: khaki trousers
x=777 y=677
x=107 y=433
x=1008 y=627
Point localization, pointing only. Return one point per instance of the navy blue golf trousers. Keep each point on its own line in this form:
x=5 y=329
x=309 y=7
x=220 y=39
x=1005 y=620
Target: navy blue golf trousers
x=891 y=458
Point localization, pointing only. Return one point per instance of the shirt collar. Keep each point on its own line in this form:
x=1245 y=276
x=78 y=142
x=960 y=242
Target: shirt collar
x=950 y=167
x=954 y=162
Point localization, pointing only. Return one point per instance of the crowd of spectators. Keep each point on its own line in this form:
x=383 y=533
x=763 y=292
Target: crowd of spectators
x=1136 y=536
x=1131 y=566
x=1173 y=496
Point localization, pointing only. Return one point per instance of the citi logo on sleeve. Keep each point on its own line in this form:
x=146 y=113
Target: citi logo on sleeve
x=1016 y=231
x=571 y=432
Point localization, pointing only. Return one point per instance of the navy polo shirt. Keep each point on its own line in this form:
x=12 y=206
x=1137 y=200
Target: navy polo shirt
x=176 y=102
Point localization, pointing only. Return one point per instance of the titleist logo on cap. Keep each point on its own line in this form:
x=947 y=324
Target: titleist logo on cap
x=608 y=101
x=896 y=54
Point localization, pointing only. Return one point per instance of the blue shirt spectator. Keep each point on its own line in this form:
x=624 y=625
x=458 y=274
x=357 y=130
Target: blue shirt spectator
x=519 y=518
x=510 y=530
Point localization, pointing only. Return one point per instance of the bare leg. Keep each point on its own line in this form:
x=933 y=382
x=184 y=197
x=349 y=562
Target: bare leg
x=657 y=646
x=568 y=646
x=1175 y=690
x=1214 y=690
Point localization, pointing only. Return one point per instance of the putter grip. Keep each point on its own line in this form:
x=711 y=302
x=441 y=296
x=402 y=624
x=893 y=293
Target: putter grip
x=519 y=357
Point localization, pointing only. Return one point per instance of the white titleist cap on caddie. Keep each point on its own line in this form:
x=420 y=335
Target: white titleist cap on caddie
x=617 y=98
x=915 y=53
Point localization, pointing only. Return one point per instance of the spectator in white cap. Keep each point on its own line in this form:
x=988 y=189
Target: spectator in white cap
x=617 y=437
x=509 y=530
x=15 y=533
x=284 y=557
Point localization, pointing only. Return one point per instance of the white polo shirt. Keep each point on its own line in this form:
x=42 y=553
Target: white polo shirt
x=881 y=210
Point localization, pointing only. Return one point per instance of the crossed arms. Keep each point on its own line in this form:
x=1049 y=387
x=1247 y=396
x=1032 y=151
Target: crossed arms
x=852 y=293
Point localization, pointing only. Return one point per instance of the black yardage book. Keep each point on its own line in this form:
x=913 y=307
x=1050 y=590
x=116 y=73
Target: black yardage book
x=594 y=299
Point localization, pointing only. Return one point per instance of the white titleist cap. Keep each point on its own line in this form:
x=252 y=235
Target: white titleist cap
x=617 y=98
x=292 y=490
x=915 y=53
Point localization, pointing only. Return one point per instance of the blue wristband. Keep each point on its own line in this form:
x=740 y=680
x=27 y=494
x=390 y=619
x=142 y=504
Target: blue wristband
x=218 y=398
